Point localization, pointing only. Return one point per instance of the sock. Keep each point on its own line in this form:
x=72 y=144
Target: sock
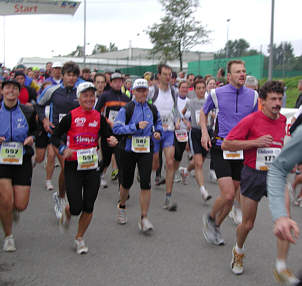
x=185 y=171
x=238 y=249
x=48 y=181
x=203 y=191
x=280 y=265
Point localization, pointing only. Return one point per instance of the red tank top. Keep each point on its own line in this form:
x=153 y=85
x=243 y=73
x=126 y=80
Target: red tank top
x=84 y=129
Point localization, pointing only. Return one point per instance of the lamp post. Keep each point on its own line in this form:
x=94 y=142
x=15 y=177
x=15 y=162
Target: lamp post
x=227 y=44
x=270 y=63
x=84 y=46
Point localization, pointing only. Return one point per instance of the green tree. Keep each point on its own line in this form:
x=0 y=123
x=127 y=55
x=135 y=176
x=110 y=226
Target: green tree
x=178 y=30
x=78 y=52
x=98 y=48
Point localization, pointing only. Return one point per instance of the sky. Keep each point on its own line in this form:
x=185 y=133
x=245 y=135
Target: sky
x=125 y=21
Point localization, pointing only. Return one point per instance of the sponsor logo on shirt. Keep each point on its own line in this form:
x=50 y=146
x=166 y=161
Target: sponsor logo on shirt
x=80 y=121
x=93 y=124
x=84 y=139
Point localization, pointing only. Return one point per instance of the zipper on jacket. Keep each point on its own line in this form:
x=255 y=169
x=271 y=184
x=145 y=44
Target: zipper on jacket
x=237 y=93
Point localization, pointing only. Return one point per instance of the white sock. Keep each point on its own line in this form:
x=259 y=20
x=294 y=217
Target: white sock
x=238 y=249
x=185 y=171
x=280 y=265
x=48 y=181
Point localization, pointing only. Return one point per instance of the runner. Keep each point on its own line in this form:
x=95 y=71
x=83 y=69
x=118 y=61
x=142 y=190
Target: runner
x=138 y=121
x=164 y=99
x=194 y=105
x=234 y=101
x=17 y=130
x=62 y=98
x=260 y=135
x=83 y=125
x=109 y=105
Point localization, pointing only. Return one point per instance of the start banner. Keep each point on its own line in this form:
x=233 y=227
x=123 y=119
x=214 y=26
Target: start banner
x=31 y=7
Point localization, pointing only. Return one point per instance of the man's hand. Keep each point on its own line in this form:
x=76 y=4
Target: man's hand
x=29 y=141
x=47 y=125
x=264 y=141
x=112 y=141
x=2 y=139
x=156 y=135
x=143 y=124
x=286 y=229
x=206 y=140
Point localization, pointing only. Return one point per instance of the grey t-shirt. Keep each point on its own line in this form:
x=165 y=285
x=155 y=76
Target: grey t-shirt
x=195 y=105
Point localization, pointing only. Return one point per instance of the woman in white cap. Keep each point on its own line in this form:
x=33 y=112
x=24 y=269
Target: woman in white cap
x=83 y=125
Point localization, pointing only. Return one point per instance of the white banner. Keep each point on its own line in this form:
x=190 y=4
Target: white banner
x=30 y=7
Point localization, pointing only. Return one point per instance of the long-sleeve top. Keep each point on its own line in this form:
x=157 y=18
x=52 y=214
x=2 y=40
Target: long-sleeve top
x=290 y=155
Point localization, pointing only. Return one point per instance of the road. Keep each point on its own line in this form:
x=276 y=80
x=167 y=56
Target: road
x=175 y=254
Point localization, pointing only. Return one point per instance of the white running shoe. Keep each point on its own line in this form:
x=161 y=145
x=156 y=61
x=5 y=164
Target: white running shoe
x=177 y=177
x=237 y=262
x=205 y=195
x=80 y=247
x=184 y=174
x=9 y=244
x=286 y=276
x=236 y=215
x=49 y=185
x=57 y=206
x=104 y=184
x=212 y=176
x=121 y=215
x=145 y=225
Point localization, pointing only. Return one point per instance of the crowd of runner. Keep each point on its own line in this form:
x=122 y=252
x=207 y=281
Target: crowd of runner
x=89 y=120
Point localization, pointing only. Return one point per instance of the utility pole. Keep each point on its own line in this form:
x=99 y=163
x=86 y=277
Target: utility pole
x=270 y=64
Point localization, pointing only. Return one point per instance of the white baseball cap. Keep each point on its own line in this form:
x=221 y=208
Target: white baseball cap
x=140 y=83
x=84 y=86
x=57 y=65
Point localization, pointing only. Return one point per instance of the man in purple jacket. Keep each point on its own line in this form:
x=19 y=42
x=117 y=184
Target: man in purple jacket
x=233 y=101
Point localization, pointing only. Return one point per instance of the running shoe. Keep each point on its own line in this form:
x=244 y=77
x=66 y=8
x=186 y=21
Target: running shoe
x=291 y=192
x=168 y=205
x=57 y=206
x=235 y=215
x=237 y=262
x=145 y=226
x=9 y=244
x=219 y=238
x=159 y=181
x=104 y=184
x=114 y=174
x=285 y=276
x=48 y=185
x=177 y=177
x=80 y=246
x=64 y=221
x=212 y=176
x=209 y=229
x=184 y=174
x=121 y=215
x=298 y=202
x=205 y=195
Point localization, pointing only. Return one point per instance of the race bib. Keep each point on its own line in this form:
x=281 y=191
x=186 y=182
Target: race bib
x=87 y=159
x=167 y=122
x=181 y=135
x=11 y=153
x=233 y=155
x=265 y=157
x=140 y=144
x=61 y=115
x=112 y=115
x=197 y=116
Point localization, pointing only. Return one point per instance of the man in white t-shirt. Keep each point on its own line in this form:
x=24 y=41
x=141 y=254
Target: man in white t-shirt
x=164 y=99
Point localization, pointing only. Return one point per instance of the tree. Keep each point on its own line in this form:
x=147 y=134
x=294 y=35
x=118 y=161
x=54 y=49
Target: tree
x=98 y=48
x=178 y=30
x=78 y=52
x=237 y=48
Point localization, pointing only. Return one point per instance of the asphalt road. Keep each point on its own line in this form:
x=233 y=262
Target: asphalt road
x=175 y=254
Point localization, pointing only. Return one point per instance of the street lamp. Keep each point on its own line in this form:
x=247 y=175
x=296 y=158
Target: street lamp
x=227 y=44
x=84 y=46
x=270 y=64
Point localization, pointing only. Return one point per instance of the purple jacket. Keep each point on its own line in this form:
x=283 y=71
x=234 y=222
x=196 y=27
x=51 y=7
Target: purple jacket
x=233 y=105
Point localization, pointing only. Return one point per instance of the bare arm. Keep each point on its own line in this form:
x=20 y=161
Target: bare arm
x=205 y=138
x=235 y=145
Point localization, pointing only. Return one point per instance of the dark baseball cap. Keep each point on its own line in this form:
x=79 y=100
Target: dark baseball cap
x=11 y=81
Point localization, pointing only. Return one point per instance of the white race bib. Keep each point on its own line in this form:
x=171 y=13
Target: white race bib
x=140 y=144
x=112 y=115
x=265 y=157
x=61 y=115
x=197 y=116
x=11 y=153
x=87 y=159
x=167 y=122
x=181 y=135
x=233 y=155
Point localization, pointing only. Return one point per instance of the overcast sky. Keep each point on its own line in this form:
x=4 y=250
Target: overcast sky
x=122 y=21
